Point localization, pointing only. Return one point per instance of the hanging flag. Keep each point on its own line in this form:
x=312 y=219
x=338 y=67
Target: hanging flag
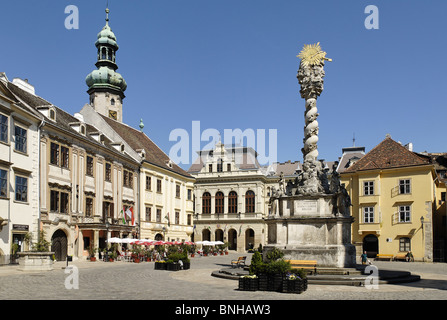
x=122 y=213
x=169 y=221
x=130 y=214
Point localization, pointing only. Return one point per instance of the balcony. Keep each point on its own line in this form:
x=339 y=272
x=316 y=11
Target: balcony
x=369 y=227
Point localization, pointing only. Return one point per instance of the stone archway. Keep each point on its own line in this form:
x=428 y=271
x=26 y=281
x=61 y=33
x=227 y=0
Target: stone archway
x=249 y=239
x=219 y=235
x=371 y=245
x=232 y=239
x=59 y=245
x=206 y=235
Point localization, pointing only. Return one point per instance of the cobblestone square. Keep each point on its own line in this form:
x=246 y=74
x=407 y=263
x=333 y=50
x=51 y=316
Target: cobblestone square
x=139 y=281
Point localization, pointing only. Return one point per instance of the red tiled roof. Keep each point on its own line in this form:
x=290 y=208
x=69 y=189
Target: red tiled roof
x=137 y=140
x=388 y=154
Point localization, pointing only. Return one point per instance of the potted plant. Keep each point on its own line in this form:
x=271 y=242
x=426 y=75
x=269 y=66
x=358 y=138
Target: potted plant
x=225 y=247
x=160 y=265
x=295 y=281
x=249 y=283
x=206 y=250
x=185 y=261
x=173 y=261
x=91 y=252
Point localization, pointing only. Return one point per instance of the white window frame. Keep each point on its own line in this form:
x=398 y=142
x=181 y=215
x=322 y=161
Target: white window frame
x=406 y=211
x=368 y=214
x=368 y=188
x=406 y=184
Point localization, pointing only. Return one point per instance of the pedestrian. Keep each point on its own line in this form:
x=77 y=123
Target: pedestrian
x=409 y=257
x=364 y=257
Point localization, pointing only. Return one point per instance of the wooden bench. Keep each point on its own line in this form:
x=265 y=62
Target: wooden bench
x=309 y=265
x=385 y=256
x=400 y=256
x=240 y=262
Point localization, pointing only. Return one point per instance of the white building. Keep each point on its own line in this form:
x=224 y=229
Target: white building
x=19 y=171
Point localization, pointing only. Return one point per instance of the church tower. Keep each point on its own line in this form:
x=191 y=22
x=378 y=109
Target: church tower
x=106 y=86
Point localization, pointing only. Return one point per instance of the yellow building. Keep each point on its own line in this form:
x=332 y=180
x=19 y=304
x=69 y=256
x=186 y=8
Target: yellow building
x=392 y=192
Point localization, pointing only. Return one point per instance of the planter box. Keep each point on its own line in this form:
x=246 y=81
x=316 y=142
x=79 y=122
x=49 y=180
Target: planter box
x=248 y=284
x=161 y=266
x=186 y=265
x=275 y=282
x=173 y=266
x=294 y=286
x=263 y=281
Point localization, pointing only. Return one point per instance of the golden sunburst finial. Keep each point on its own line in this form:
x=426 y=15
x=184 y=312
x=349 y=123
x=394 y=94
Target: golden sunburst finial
x=312 y=54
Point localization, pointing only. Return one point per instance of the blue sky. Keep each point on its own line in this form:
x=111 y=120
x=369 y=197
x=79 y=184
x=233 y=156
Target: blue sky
x=232 y=64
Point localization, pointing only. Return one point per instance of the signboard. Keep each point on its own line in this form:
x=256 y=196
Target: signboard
x=20 y=227
x=306 y=207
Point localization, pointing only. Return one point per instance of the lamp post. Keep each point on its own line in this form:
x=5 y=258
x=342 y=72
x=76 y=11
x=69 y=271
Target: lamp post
x=107 y=238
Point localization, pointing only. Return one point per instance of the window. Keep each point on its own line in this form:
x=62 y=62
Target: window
x=158 y=185
x=189 y=219
x=368 y=188
x=219 y=165
x=404 y=214
x=59 y=201
x=206 y=203
x=3 y=128
x=21 y=189
x=228 y=166
x=177 y=217
x=232 y=202
x=404 y=186
x=89 y=166
x=219 y=202
x=210 y=168
x=177 y=191
x=148 y=183
x=368 y=215
x=158 y=215
x=249 y=201
x=54 y=153
x=108 y=173
x=189 y=194
x=3 y=183
x=128 y=179
x=64 y=158
x=20 y=139
x=404 y=244
x=148 y=213
x=107 y=209
x=88 y=207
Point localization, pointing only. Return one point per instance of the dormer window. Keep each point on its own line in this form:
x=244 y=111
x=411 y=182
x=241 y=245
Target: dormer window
x=52 y=114
x=112 y=102
x=82 y=129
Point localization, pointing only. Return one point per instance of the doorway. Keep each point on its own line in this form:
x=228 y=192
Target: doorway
x=59 y=244
x=371 y=245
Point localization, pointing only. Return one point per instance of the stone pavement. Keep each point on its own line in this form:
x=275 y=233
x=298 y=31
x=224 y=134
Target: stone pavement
x=131 y=281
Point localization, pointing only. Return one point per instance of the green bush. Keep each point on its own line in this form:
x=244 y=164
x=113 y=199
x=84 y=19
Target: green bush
x=279 y=266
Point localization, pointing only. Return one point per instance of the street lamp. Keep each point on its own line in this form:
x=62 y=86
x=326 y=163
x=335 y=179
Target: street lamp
x=107 y=242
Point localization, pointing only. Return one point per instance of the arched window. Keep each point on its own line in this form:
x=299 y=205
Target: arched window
x=249 y=202
x=112 y=102
x=232 y=202
x=206 y=203
x=219 y=202
x=103 y=53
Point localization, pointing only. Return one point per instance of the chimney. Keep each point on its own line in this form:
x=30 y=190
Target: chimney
x=24 y=85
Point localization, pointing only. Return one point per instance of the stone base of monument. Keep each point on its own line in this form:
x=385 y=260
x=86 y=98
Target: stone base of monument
x=306 y=228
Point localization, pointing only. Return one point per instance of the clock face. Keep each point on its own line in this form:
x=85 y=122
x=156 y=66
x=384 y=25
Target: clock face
x=112 y=114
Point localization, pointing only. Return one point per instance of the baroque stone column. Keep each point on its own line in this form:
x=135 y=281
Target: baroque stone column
x=310 y=77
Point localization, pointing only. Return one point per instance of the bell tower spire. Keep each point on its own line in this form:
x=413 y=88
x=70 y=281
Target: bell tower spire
x=106 y=86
